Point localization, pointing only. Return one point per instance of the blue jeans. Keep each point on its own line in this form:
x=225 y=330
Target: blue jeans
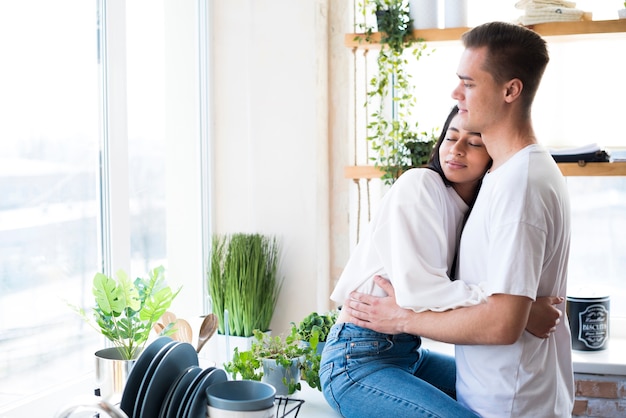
x=368 y=374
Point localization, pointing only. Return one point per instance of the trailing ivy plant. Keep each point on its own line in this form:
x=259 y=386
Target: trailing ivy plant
x=392 y=134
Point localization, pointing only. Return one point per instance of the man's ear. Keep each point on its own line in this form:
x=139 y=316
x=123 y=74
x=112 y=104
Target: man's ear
x=513 y=90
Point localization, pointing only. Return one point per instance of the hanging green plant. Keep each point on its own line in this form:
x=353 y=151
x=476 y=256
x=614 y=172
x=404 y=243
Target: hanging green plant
x=392 y=134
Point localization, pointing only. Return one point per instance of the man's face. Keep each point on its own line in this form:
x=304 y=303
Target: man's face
x=478 y=96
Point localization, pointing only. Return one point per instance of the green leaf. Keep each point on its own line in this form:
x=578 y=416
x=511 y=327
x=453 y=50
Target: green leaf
x=107 y=295
x=128 y=293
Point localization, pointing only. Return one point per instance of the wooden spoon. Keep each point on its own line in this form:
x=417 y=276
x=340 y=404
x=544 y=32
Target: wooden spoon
x=183 y=331
x=158 y=328
x=207 y=329
x=168 y=318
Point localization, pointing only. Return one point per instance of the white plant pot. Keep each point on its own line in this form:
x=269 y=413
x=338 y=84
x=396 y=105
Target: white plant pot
x=424 y=13
x=219 y=349
x=621 y=13
x=455 y=13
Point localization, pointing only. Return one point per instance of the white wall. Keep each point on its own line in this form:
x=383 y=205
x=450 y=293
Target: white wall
x=270 y=136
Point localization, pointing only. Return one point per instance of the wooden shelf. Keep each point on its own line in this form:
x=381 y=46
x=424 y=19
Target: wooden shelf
x=568 y=169
x=583 y=27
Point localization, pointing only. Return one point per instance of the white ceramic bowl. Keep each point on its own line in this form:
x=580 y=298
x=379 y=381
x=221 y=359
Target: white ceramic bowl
x=225 y=413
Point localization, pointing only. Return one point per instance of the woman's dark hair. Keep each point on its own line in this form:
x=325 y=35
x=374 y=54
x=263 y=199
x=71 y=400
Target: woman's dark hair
x=434 y=162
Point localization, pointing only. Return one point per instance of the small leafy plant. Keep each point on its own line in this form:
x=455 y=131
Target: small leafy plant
x=314 y=329
x=126 y=310
x=249 y=364
x=316 y=326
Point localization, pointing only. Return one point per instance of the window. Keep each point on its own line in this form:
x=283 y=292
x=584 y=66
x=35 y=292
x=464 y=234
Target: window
x=52 y=119
x=48 y=180
x=597 y=261
x=567 y=113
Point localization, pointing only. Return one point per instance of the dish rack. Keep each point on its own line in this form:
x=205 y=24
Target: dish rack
x=288 y=407
x=285 y=408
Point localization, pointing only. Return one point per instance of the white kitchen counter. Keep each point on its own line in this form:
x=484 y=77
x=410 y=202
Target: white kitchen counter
x=610 y=361
x=48 y=404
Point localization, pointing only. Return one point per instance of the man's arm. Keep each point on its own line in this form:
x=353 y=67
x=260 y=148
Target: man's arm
x=501 y=320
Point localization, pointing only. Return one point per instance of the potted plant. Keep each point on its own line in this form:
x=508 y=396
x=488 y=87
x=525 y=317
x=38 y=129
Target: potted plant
x=621 y=13
x=313 y=330
x=243 y=281
x=315 y=327
x=391 y=132
x=272 y=359
x=125 y=312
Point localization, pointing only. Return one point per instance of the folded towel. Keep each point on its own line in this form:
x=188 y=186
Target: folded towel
x=524 y=4
x=540 y=11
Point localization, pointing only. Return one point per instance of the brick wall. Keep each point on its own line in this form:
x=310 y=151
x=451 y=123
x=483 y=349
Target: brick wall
x=600 y=396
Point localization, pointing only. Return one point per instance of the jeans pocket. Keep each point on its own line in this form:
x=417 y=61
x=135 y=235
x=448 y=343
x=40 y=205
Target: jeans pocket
x=362 y=349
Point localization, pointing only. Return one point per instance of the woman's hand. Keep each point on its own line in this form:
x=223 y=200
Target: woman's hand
x=380 y=314
x=544 y=316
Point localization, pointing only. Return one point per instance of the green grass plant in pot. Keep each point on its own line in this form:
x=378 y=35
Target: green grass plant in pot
x=275 y=360
x=243 y=280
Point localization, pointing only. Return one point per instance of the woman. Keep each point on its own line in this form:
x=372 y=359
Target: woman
x=411 y=241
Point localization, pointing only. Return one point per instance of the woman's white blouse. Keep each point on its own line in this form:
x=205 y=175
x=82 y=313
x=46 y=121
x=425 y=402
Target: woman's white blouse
x=411 y=241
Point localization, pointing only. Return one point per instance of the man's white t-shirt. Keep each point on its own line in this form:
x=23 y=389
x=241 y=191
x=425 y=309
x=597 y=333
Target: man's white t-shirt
x=411 y=240
x=517 y=238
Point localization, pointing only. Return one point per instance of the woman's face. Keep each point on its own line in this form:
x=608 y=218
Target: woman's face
x=463 y=157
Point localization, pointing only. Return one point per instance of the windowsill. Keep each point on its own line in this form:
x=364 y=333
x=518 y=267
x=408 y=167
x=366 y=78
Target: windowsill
x=608 y=361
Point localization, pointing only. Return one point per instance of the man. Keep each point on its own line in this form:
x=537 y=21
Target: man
x=516 y=239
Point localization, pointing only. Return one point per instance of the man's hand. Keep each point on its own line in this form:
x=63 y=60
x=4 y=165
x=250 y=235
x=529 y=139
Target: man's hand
x=380 y=314
x=544 y=316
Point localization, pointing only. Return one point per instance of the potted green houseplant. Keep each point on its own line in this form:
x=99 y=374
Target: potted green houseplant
x=125 y=312
x=272 y=359
x=243 y=281
x=316 y=327
x=313 y=330
x=621 y=13
x=392 y=133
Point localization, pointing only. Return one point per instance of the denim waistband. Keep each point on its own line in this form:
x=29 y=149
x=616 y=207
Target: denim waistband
x=349 y=330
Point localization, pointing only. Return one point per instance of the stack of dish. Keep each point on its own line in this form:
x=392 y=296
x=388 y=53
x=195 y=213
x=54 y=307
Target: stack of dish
x=166 y=382
x=241 y=399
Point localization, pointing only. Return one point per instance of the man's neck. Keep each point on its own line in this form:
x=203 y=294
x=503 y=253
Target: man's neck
x=505 y=143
